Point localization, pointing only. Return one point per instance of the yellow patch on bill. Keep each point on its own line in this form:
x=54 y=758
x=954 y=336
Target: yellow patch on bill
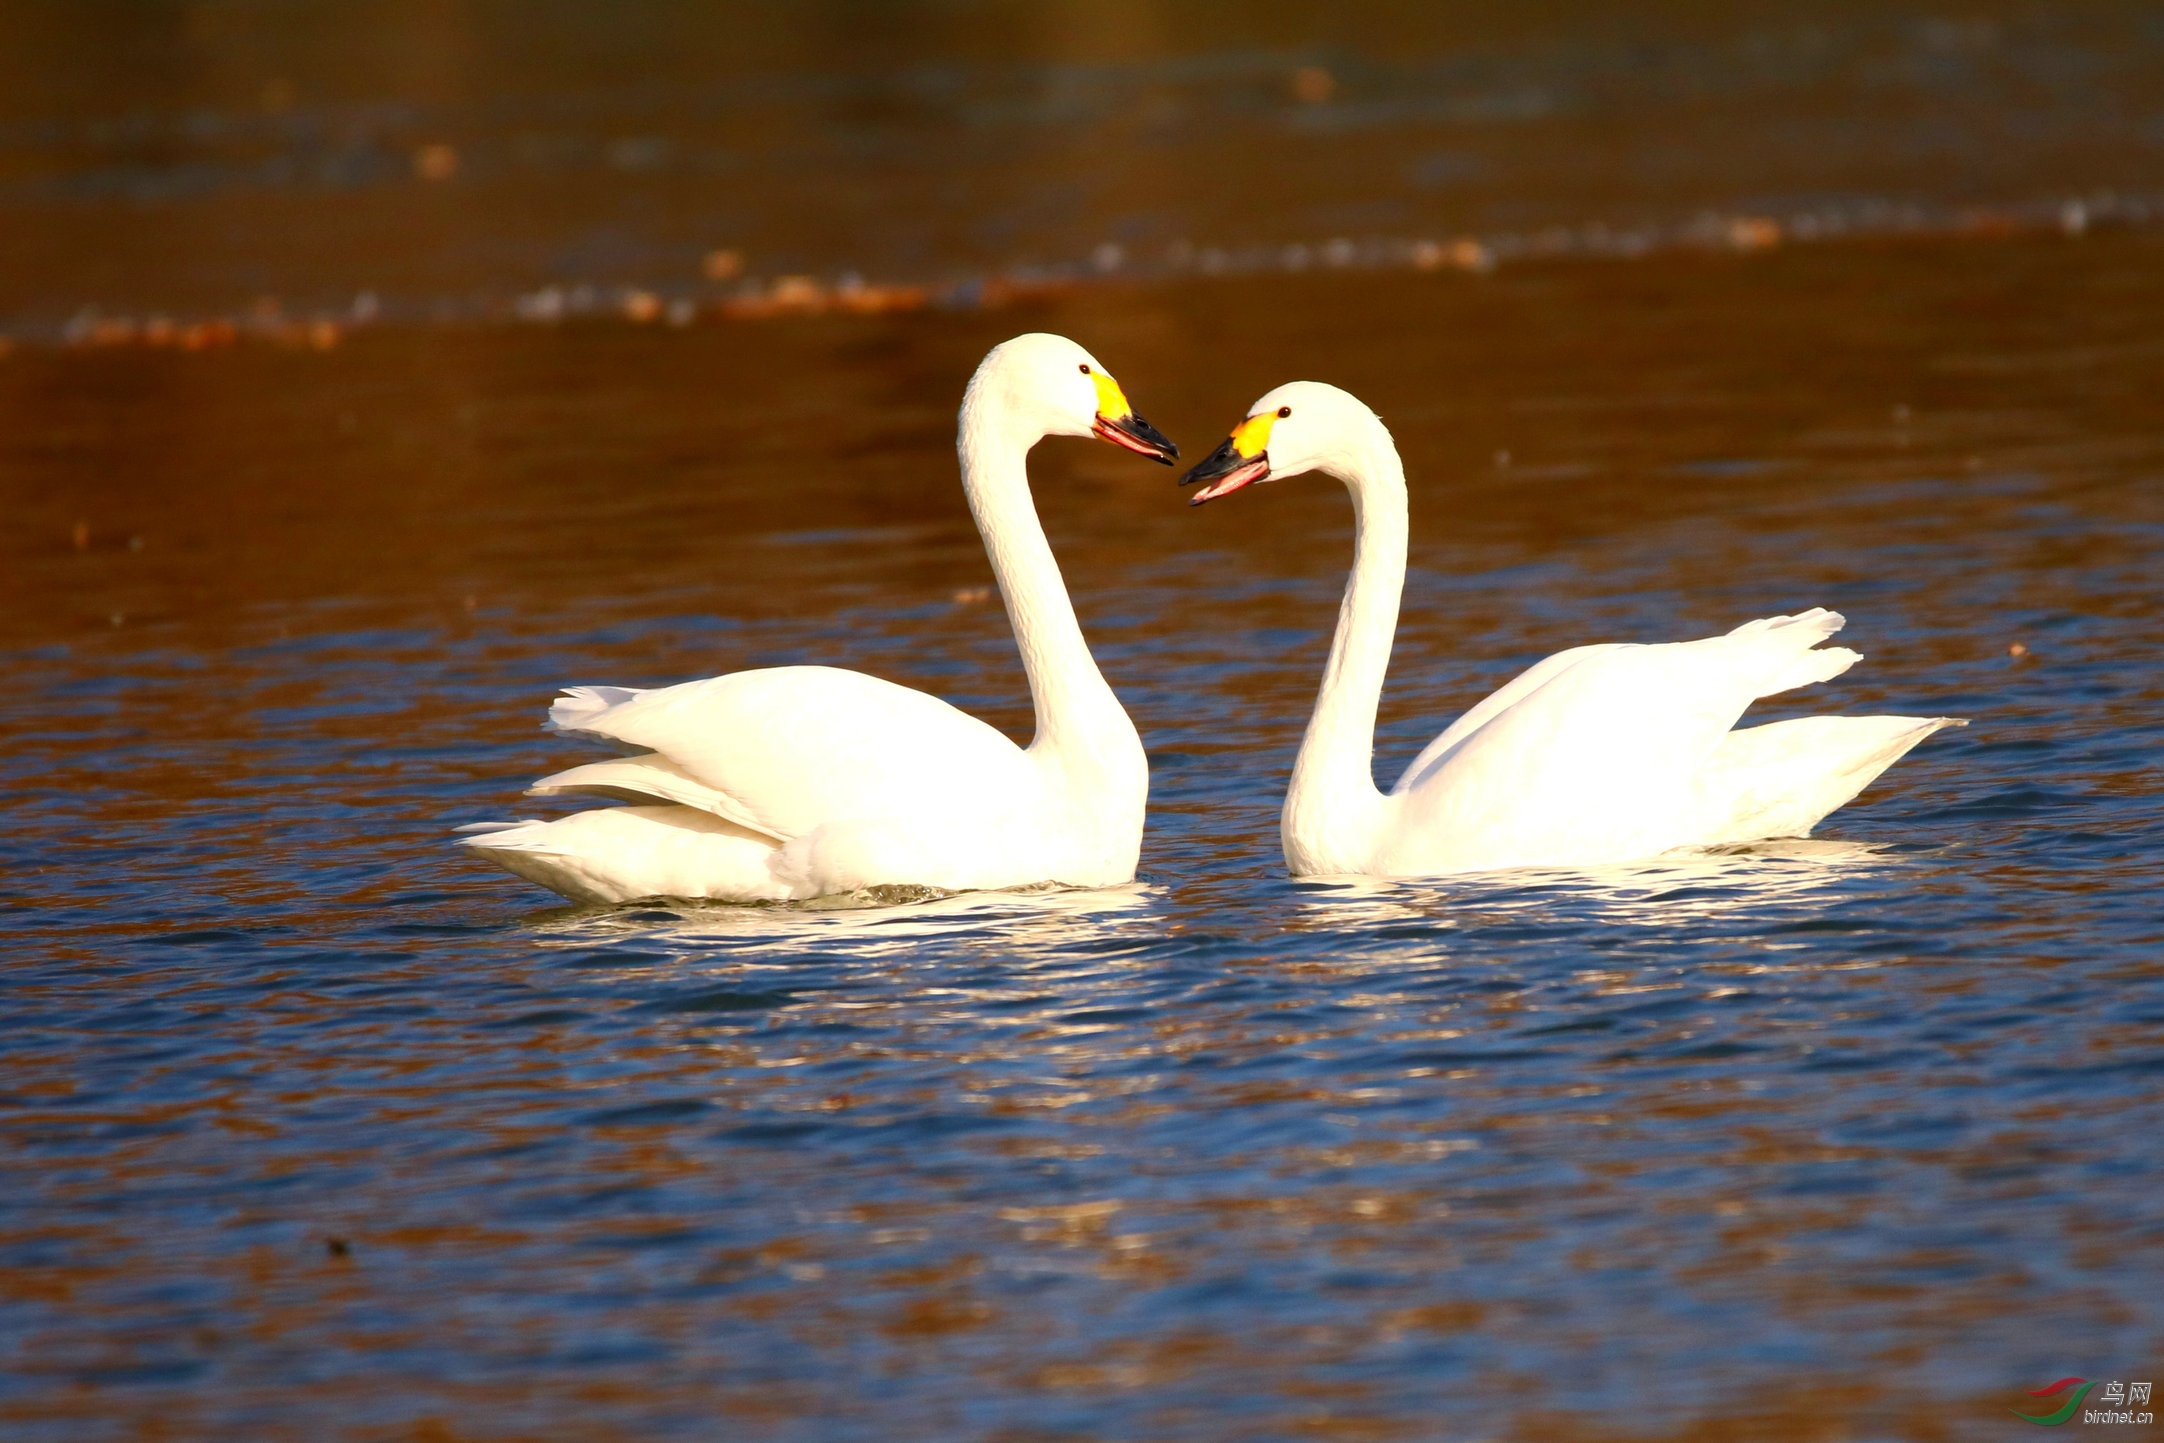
x=1252 y=437
x=1111 y=400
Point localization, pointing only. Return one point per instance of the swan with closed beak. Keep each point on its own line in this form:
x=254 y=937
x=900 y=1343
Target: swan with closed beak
x=1599 y=754
x=802 y=781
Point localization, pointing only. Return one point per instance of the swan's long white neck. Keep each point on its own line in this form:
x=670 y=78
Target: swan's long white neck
x=1078 y=717
x=1333 y=809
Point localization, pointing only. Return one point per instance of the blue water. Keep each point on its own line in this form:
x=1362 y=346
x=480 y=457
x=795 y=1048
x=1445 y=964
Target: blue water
x=314 y=1126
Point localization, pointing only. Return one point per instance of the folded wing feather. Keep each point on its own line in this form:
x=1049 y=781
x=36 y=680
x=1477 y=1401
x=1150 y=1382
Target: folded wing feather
x=784 y=750
x=647 y=778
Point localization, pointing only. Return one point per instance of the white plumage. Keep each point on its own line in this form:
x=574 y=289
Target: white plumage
x=1596 y=755
x=804 y=781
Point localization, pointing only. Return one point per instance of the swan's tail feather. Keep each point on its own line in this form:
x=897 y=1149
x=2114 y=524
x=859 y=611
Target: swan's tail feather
x=1782 y=779
x=618 y=854
x=646 y=778
x=529 y=834
x=579 y=706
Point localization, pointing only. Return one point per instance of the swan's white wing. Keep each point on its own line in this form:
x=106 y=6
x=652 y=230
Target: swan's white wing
x=1781 y=779
x=1787 y=642
x=1525 y=682
x=787 y=749
x=1593 y=754
x=1779 y=647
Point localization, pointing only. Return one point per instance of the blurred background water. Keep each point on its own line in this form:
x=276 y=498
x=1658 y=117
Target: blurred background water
x=443 y=158
x=313 y=1127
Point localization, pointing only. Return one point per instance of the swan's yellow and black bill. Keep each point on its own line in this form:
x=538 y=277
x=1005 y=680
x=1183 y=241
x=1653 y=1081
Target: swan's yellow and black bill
x=1117 y=422
x=1241 y=460
x=1136 y=435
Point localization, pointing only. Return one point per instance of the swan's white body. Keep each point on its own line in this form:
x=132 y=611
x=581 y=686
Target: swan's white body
x=806 y=781
x=1597 y=755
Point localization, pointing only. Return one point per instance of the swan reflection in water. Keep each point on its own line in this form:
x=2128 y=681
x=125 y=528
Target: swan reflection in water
x=884 y=916
x=1002 y=969
x=1700 y=885
x=1696 y=885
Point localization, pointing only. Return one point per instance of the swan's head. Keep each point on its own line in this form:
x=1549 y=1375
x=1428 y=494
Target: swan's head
x=1300 y=426
x=1052 y=386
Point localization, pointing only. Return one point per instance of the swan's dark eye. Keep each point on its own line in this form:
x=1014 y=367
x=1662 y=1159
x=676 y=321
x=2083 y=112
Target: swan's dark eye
x=1085 y=368
x=1283 y=412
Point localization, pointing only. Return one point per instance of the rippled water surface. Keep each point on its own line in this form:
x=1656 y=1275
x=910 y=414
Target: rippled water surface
x=314 y=1127
x=314 y=1124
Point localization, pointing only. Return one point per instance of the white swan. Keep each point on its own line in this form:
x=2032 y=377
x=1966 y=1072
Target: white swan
x=804 y=781
x=1596 y=755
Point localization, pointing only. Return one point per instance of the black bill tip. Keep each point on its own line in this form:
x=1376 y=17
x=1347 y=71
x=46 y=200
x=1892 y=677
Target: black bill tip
x=1138 y=436
x=1226 y=471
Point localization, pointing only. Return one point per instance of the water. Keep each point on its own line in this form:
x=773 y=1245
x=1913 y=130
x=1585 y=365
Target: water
x=314 y=1125
x=386 y=160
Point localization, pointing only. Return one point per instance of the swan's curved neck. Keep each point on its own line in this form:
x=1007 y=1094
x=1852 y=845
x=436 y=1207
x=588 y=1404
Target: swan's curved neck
x=1076 y=710
x=1333 y=809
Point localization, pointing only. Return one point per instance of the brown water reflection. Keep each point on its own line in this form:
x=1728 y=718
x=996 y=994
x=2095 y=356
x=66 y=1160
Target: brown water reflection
x=439 y=475
x=1823 y=1141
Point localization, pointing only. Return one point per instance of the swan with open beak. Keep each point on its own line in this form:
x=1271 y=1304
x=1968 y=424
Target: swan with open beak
x=1117 y=422
x=1241 y=460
